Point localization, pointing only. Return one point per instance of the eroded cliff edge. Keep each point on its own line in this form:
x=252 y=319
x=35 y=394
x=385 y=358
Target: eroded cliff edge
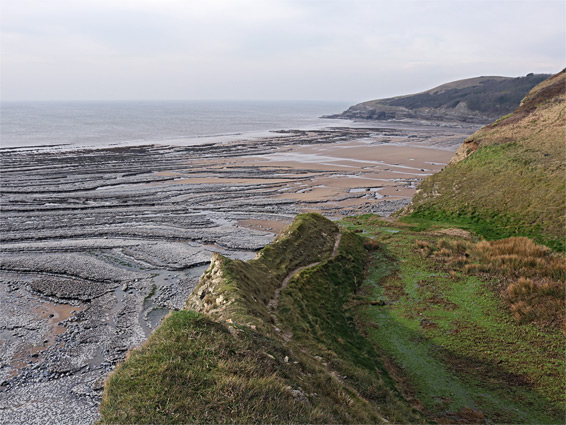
x=264 y=341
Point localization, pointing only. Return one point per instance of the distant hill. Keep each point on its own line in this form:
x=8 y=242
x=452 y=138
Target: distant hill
x=474 y=100
x=508 y=178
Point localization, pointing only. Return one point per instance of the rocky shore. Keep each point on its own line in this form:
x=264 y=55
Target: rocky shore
x=98 y=245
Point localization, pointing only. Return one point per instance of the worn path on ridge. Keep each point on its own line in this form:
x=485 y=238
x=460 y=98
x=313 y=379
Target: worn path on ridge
x=274 y=302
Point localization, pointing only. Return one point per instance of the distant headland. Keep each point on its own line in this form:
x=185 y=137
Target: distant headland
x=479 y=100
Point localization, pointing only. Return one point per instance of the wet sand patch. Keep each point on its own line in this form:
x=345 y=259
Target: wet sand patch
x=273 y=226
x=47 y=321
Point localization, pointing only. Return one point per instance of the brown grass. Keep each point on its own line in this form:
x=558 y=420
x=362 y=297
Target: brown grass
x=541 y=302
x=519 y=257
x=533 y=277
x=371 y=244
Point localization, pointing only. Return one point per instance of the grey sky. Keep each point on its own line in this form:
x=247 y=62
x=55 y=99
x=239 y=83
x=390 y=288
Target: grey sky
x=350 y=50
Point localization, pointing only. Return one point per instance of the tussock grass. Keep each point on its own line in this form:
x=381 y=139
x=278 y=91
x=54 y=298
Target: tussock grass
x=540 y=301
x=449 y=337
x=535 y=280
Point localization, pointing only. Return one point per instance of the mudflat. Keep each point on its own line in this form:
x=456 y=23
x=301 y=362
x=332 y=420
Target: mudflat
x=98 y=245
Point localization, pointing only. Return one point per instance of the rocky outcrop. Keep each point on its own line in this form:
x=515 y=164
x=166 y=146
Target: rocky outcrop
x=207 y=298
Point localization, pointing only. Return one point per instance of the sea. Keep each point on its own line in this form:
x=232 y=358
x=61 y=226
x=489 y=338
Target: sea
x=74 y=125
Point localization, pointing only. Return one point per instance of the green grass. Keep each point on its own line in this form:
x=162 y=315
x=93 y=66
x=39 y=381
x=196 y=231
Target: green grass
x=499 y=191
x=194 y=370
x=455 y=341
x=245 y=288
x=200 y=369
x=395 y=337
x=509 y=176
x=308 y=239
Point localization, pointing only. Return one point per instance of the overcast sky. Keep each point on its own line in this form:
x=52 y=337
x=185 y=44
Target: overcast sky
x=346 y=50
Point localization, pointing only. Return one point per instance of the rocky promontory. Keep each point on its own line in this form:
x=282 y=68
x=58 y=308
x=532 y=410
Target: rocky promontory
x=479 y=100
x=269 y=340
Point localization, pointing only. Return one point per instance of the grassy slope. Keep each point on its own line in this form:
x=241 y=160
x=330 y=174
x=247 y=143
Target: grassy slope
x=351 y=345
x=452 y=341
x=511 y=178
x=316 y=369
x=241 y=290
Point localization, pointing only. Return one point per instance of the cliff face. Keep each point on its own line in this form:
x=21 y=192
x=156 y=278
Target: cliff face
x=508 y=177
x=474 y=100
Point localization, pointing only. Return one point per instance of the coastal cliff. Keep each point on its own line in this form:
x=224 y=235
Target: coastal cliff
x=448 y=315
x=265 y=341
x=477 y=100
x=507 y=179
x=366 y=322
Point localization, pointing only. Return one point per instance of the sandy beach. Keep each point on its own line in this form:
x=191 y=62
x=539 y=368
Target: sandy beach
x=339 y=177
x=98 y=245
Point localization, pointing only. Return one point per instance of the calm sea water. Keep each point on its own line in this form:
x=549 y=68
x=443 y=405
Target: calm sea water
x=99 y=124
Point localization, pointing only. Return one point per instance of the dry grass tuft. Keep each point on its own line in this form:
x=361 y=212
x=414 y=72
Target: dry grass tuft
x=424 y=248
x=542 y=302
x=519 y=257
x=371 y=244
x=537 y=291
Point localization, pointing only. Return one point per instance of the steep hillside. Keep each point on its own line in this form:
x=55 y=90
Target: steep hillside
x=508 y=178
x=474 y=100
x=271 y=342
x=372 y=322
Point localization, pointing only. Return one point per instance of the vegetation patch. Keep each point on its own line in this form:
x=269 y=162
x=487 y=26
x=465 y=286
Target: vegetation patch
x=533 y=278
x=241 y=291
x=497 y=194
x=448 y=336
x=372 y=322
x=248 y=360
x=507 y=179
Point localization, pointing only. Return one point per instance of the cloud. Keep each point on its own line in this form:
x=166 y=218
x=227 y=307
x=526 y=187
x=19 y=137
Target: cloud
x=262 y=49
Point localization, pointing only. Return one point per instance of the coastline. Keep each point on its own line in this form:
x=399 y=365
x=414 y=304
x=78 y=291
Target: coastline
x=113 y=238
